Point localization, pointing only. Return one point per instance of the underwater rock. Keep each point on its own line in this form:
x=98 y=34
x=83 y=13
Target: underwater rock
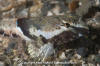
x=95 y=21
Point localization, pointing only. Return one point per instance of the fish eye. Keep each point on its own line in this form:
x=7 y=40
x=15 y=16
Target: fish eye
x=67 y=24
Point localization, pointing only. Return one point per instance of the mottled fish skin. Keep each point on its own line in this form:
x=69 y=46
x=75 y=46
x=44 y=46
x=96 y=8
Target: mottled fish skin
x=39 y=26
x=45 y=26
x=49 y=21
